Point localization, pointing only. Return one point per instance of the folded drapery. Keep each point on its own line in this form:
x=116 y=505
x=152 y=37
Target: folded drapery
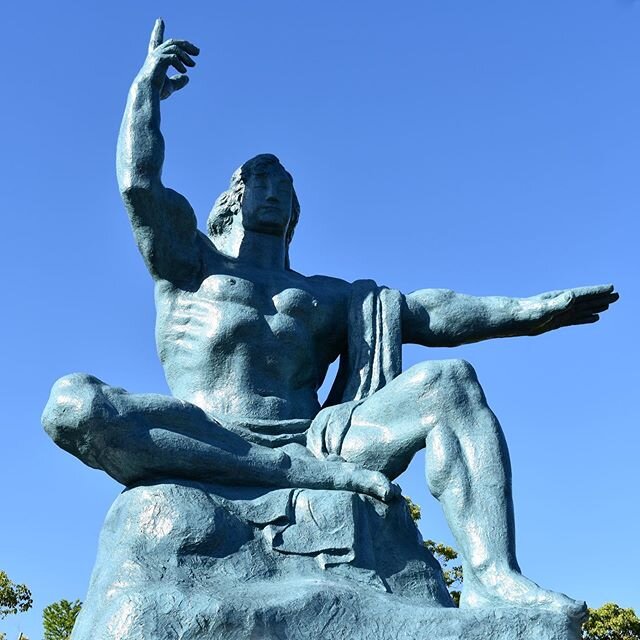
x=373 y=358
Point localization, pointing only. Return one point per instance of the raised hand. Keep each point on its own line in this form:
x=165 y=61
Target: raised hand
x=162 y=55
x=564 y=308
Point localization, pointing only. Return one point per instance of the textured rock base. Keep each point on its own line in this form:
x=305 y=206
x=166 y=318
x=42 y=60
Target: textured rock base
x=312 y=612
x=327 y=614
x=185 y=561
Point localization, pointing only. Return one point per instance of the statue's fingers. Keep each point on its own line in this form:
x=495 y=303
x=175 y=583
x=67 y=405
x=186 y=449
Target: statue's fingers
x=157 y=35
x=174 y=61
x=187 y=46
x=595 y=305
x=609 y=298
x=598 y=308
x=177 y=51
x=586 y=319
x=579 y=318
x=372 y=483
x=178 y=81
x=568 y=322
x=595 y=290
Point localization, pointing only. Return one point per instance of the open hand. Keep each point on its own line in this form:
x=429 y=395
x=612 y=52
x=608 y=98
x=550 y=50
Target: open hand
x=162 y=55
x=567 y=307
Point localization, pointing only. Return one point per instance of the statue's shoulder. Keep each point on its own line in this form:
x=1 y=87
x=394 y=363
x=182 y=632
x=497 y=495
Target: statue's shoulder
x=327 y=286
x=209 y=262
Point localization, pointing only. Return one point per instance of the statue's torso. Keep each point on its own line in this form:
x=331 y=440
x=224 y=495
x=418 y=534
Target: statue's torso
x=249 y=343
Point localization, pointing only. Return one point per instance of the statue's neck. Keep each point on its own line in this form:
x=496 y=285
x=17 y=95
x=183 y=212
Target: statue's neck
x=262 y=250
x=254 y=249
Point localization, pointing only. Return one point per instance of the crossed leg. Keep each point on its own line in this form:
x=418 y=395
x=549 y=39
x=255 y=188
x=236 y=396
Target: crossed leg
x=441 y=405
x=138 y=438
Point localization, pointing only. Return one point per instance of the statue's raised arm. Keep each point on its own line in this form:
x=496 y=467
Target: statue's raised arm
x=163 y=222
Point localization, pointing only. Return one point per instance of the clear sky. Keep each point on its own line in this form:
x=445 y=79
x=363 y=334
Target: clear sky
x=487 y=147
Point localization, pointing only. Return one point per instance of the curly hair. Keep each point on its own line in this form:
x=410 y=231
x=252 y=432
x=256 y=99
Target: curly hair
x=229 y=202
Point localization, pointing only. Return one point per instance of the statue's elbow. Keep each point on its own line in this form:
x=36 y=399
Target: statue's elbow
x=135 y=190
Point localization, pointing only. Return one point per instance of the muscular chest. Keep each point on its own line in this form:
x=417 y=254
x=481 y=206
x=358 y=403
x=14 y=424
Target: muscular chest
x=266 y=298
x=232 y=309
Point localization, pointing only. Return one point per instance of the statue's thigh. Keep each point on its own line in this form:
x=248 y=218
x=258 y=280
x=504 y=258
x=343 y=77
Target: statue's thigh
x=391 y=425
x=422 y=396
x=412 y=396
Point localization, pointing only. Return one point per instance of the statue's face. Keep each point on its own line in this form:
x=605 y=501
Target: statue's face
x=267 y=199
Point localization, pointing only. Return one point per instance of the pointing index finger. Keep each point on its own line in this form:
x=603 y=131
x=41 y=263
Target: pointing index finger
x=157 y=35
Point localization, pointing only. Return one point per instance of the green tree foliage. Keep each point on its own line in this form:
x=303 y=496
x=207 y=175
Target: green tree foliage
x=443 y=554
x=611 y=622
x=58 y=619
x=13 y=597
x=452 y=573
x=414 y=510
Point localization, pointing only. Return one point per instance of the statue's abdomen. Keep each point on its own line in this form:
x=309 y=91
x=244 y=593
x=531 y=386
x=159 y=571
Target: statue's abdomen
x=228 y=349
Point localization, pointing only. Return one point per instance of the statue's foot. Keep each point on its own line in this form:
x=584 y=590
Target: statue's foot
x=497 y=588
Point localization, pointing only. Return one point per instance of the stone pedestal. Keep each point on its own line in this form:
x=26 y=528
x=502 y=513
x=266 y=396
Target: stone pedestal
x=186 y=561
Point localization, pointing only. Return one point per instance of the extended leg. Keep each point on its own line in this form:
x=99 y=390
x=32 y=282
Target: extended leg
x=441 y=405
x=140 y=438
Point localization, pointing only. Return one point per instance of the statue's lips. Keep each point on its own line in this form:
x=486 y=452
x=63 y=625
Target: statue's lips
x=271 y=212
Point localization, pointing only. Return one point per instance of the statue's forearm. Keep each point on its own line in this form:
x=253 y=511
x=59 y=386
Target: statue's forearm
x=140 y=152
x=443 y=318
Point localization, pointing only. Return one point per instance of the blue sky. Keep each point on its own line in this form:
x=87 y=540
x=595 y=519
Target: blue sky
x=487 y=147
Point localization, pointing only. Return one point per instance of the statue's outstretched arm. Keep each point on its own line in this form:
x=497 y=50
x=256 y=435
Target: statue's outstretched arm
x=443 y=318
x=163 y=221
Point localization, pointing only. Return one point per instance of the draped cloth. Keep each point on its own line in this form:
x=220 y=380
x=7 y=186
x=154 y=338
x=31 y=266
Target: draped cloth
x=373 y=358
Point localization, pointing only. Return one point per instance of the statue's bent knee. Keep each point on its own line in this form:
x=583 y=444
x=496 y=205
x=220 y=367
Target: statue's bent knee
x=430 y=372
x=76 y=407
x=456 y=369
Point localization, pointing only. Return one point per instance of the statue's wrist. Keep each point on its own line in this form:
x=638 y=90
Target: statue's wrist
x=148 y=78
